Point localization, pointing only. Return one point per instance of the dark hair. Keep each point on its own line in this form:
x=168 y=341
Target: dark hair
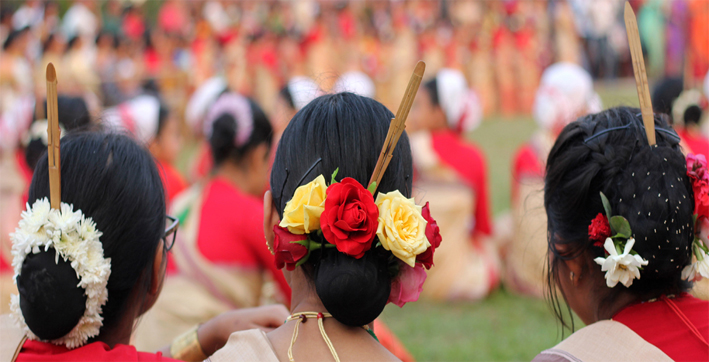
x=163 y=114
x=72 y=42
x=48 y=42
x=73 y=115
x=692 y=115
x=344 y=131
x=224 y=131
x=285 y=94
x=13 y=36
x=114 y=181
x=665 y=93
x=608 y=152
x=432 y=87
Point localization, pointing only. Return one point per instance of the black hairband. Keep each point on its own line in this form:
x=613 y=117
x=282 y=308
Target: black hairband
x=668 y=132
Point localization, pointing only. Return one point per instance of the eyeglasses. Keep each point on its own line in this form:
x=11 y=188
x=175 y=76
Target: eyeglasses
x=171 y=224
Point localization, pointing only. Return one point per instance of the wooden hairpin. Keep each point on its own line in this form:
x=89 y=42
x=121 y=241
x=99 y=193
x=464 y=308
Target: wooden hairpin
x=397 y=125
x=53 y=133
x=636 y=53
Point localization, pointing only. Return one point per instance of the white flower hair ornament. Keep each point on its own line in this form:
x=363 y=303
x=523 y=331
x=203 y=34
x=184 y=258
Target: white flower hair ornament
x=75 y=239
x=620 y=266
x=70 y=233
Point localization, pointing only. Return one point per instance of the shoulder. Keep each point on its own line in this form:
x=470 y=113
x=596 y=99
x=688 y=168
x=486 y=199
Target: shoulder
x=609 y=340
x=555 y=355
x=250 y=345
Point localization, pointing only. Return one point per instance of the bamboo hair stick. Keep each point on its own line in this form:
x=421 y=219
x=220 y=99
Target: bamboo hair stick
x=636 y=53
x=53 y=133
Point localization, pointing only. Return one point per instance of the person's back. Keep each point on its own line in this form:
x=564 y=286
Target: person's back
x=626 y=224
x=344 y=258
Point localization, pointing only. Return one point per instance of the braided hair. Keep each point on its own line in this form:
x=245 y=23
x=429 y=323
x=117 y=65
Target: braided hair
x=608 y=152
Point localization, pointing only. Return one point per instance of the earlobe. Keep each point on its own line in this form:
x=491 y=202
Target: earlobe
x=270 y=219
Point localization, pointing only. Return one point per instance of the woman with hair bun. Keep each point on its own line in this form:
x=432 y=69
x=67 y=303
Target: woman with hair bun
x=222 y=263
x=624 y=247
x=148 y=119
x=348 y=247
x=565 y=93
x=454 y=172
x=87 y=270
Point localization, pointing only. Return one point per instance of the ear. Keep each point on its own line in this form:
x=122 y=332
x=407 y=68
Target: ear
x=575 y=265
x=156 y=282
x=270 y=218
x=158 y=270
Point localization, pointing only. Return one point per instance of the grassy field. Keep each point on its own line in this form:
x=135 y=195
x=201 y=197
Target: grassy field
x=503 y=327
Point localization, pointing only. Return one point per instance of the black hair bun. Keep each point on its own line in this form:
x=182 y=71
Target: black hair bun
x=51 y=301
x=354 y=291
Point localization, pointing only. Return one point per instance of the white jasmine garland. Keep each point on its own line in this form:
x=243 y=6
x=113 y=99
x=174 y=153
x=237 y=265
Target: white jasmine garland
x=76 y=239
x=620 y=267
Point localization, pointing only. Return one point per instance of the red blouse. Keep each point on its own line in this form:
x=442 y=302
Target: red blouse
x=676 y=326
x=231 y=231
x=34 y=351
x=469 y=162
x=698 y=144
x=172 y=180
x=525 y=164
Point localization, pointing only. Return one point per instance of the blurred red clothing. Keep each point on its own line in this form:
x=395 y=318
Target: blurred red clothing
x=172 y=180
x=698 y=144
x=97 y=351
x=469 y=162
x=525 y=164
x=231 y=231
x=676 y=326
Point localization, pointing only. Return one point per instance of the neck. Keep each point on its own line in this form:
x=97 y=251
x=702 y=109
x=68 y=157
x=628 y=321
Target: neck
x=235 y=175
x=621 y=301
x=304 y=298
x=120 y=332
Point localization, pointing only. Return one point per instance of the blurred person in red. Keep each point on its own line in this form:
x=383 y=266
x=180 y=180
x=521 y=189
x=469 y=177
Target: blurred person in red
x=564 y=94
x=687 y=112
x=222 y=260
x=451 y=169
x=152 y=124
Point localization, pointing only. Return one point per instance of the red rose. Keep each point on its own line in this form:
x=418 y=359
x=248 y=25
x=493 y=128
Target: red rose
x=599 y=230
x=698 y=175
x=433 y=234
x=350 y=218
x=287 y=252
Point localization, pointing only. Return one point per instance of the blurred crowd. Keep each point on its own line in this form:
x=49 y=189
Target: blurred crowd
x=110 y=51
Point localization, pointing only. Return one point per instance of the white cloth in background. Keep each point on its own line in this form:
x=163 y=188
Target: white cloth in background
x=79 y=21
x=565 y=92
x=139 y=116
x=302 y=91
x=200 y=101
x=460 y=104
x=27 y=16
x=355 y=82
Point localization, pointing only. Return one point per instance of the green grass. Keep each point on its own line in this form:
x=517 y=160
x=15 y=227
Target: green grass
x=503 y=327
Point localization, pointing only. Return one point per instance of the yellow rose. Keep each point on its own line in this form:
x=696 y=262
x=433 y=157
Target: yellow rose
x=402 y=228
x=302 y=212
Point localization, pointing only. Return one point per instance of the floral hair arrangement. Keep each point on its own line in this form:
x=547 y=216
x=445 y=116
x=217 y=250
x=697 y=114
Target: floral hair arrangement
x=347 y=217
x=698 y=175
x=75 y=238
x=613 y=233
